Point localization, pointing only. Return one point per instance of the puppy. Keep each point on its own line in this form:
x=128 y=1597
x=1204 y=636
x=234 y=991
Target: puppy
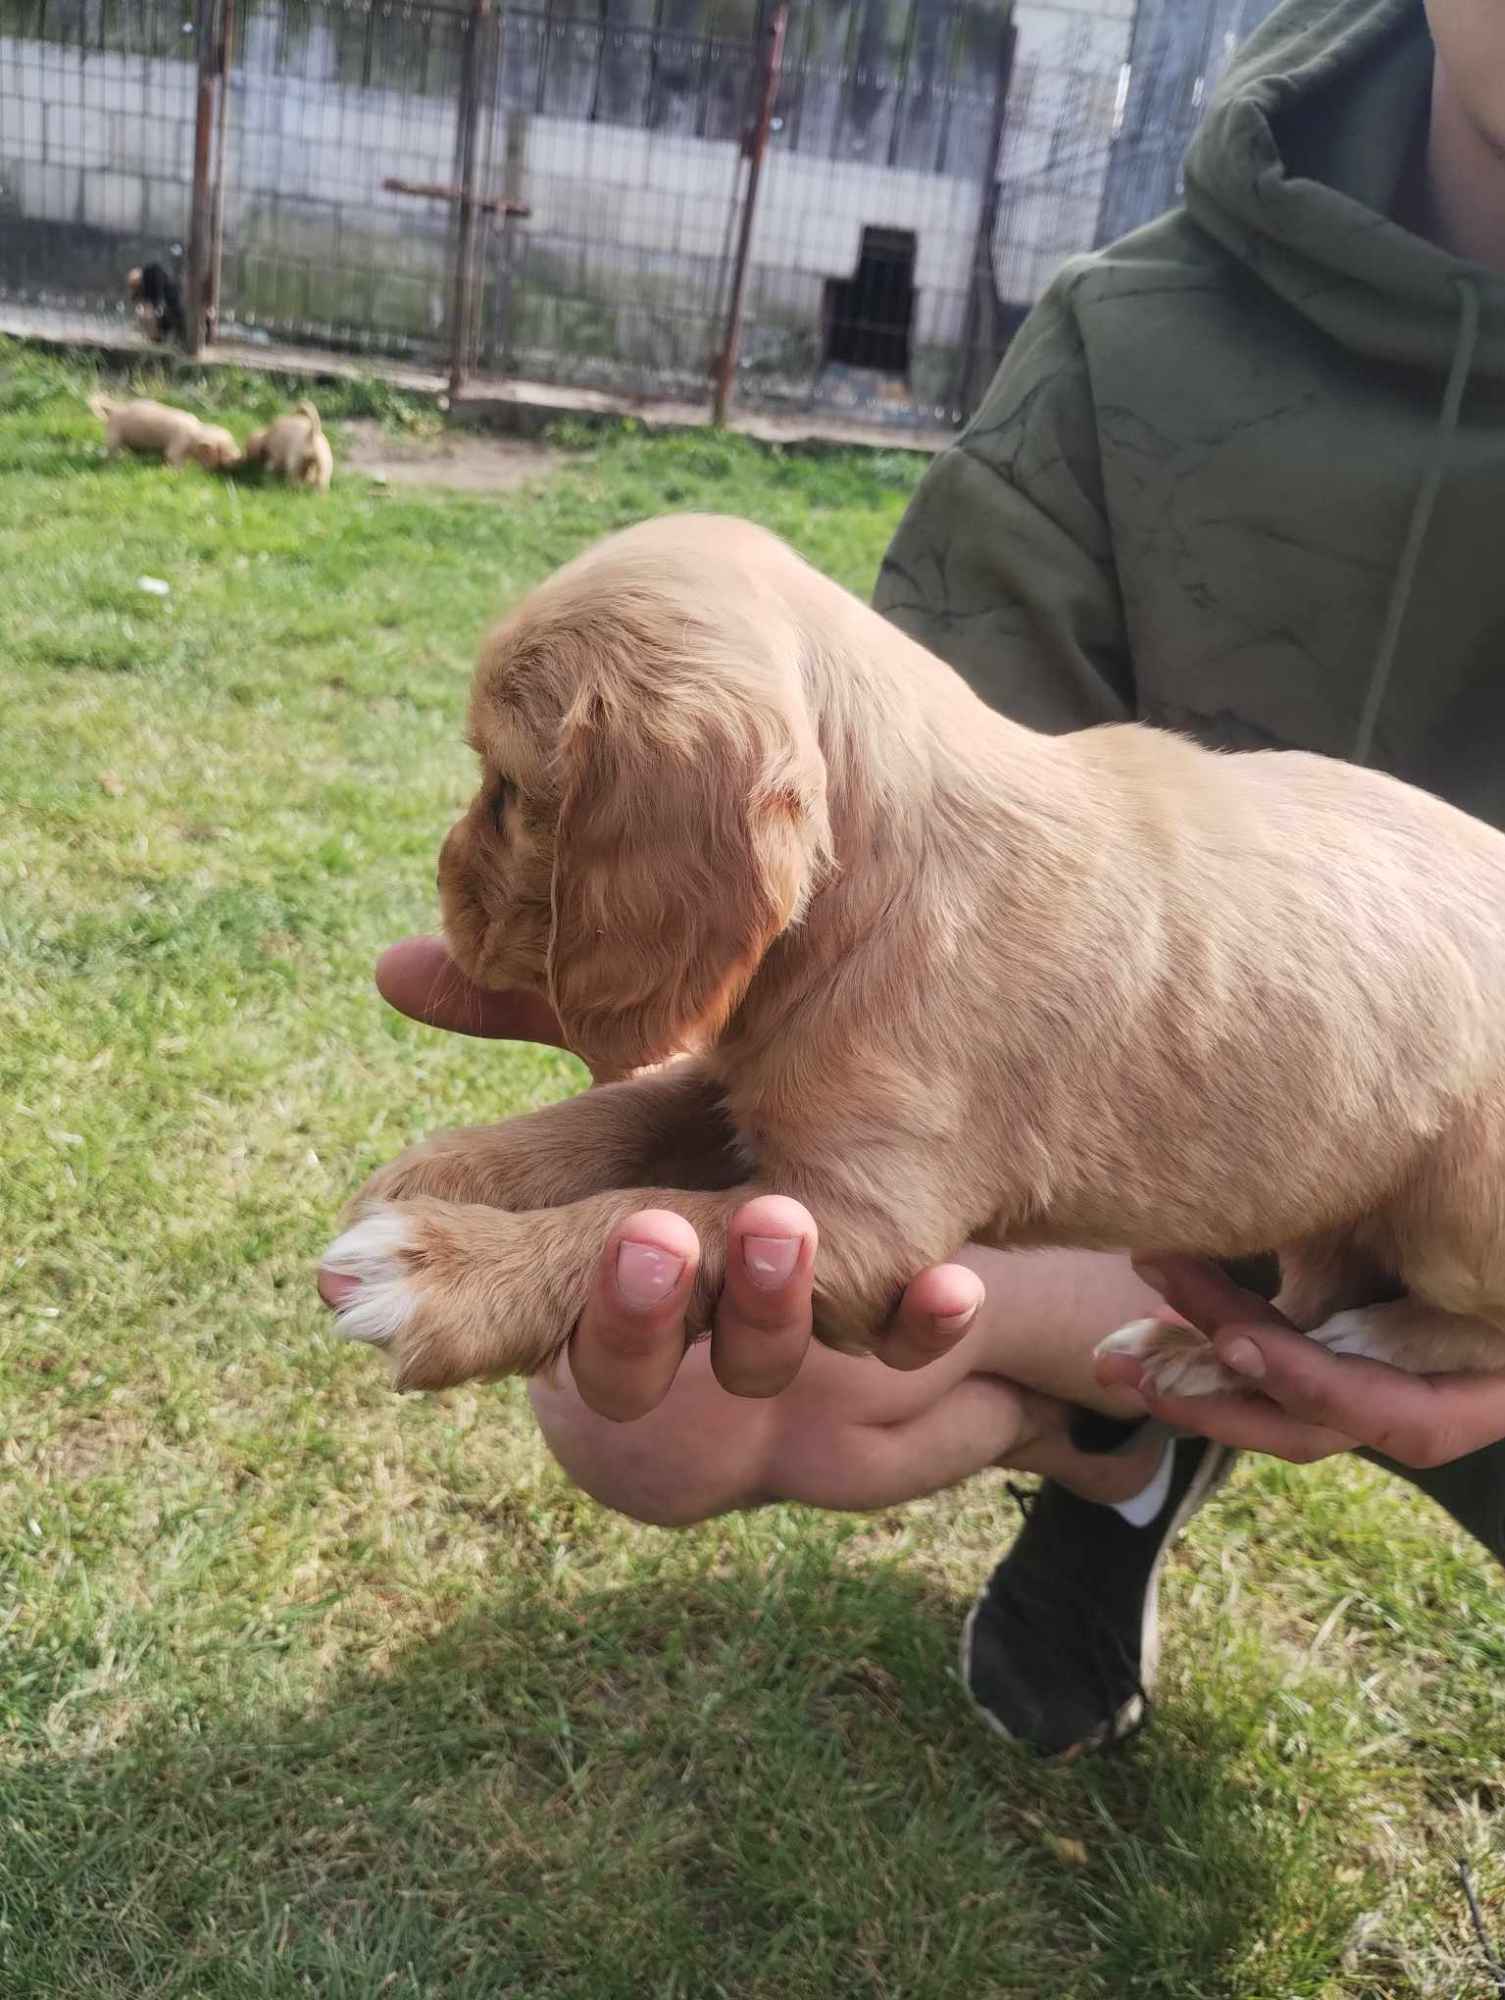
x=173 y=435
x=940 y=978
x=295 y=448
x=157 y=302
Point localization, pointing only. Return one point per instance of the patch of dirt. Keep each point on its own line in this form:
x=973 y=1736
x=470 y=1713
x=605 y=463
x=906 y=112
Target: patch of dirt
x=465 y=461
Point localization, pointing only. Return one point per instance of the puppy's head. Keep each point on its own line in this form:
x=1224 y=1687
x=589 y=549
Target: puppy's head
x=215 y=449
x=652 y=810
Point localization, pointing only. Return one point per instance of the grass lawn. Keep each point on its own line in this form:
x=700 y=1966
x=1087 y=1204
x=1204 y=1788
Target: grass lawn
x=306 y=1689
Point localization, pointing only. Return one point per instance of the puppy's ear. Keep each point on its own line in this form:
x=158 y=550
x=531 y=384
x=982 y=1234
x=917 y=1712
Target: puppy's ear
x=684 y=847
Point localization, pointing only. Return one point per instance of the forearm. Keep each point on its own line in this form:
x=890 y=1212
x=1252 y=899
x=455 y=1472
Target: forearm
x=1044 y=1314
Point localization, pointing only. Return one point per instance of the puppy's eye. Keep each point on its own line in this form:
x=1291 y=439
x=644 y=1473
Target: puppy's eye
x=502 y=794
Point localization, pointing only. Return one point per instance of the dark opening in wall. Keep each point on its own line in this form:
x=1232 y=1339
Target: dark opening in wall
x=869 y=317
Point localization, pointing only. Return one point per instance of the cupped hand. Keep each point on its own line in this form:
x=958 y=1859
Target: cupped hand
x=630 y=1340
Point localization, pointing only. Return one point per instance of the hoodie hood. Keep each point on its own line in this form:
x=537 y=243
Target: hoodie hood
x=1301 y=196
x=1202 y=494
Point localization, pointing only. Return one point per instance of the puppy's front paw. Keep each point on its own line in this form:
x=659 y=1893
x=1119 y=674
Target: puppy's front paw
x=367 y=1276
x=408 y=1278
x=1176 y=1359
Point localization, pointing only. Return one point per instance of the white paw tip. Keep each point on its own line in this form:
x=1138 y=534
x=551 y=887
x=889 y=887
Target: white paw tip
x=371 y=1253
x=1131 y=1339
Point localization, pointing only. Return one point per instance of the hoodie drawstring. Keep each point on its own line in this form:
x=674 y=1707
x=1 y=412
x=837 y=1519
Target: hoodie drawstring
x=1421 y=517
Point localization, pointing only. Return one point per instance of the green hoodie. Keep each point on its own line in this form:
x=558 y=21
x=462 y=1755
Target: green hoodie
x=1243 y=474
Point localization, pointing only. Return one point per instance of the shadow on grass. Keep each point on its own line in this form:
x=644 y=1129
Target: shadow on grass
x=763 y=1783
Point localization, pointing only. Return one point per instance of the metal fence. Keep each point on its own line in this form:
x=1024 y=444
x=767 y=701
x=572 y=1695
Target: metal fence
x=844 y=204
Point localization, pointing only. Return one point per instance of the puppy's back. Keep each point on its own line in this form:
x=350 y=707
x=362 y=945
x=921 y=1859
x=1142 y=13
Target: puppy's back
x=142 y=424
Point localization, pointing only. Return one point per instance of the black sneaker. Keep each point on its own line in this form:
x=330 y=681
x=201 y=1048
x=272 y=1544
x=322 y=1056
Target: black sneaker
x=1059 y=1651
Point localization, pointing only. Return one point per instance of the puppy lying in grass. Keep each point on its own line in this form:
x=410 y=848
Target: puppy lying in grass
x=175 y=436
x=295 y=448
x=939 y=978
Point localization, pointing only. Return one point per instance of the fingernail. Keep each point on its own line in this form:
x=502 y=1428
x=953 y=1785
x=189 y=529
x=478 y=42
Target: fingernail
x=1242 y=1356
x=957 y=1322
x=770 y=1260
x=646 y=1276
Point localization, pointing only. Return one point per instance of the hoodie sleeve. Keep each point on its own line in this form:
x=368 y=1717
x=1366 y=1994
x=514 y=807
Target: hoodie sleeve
x=1003 y=564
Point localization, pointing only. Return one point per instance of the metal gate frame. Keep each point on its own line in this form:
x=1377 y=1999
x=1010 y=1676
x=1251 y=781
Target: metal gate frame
x=476 y=205
x=214 y=31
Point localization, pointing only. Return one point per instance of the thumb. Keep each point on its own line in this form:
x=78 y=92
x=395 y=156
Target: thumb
x=420 y=979
x=1302 y=1377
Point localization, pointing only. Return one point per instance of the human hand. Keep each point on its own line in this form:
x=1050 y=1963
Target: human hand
x=1308 y=1403
x=630 y=1340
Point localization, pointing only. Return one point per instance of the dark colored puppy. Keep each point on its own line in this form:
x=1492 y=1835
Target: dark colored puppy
x=158 y=302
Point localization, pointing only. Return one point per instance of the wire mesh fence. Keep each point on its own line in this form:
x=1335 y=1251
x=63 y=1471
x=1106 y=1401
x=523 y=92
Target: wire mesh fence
x=327 y=108
x=96 y=146
x=568 y=196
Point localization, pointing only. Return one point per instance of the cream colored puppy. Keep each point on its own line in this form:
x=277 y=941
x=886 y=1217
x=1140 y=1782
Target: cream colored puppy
x=175 y=436
x=940 y=979
x=295 y=448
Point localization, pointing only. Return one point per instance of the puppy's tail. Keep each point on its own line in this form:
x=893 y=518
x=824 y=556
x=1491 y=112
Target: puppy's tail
x=307 y=410
x=102 y=407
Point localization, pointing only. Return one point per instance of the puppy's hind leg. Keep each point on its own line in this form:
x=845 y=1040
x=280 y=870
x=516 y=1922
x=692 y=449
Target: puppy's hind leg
x=1176 y=1359
x=1419 y=1338
x=1443 y=1232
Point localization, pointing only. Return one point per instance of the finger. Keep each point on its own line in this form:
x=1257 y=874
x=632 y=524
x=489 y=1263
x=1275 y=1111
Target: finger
x=1203 y=1294
x=939 y=1308
x=630 y=1341
x=420 y=979
x=762 y=1326
x=1418 y=1420
x=1118 y=1371
x=1250 y=1423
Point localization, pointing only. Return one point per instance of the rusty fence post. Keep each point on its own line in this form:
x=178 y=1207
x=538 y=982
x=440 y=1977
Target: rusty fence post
x=754 y=149
x=217 y=209
x=201 y=201
x=514 y=179
x=213 y=24
x=467 y=128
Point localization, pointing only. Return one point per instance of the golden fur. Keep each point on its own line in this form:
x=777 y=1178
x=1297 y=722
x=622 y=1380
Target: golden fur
x=940 y=978
x=175 y=436
x=295 y=448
